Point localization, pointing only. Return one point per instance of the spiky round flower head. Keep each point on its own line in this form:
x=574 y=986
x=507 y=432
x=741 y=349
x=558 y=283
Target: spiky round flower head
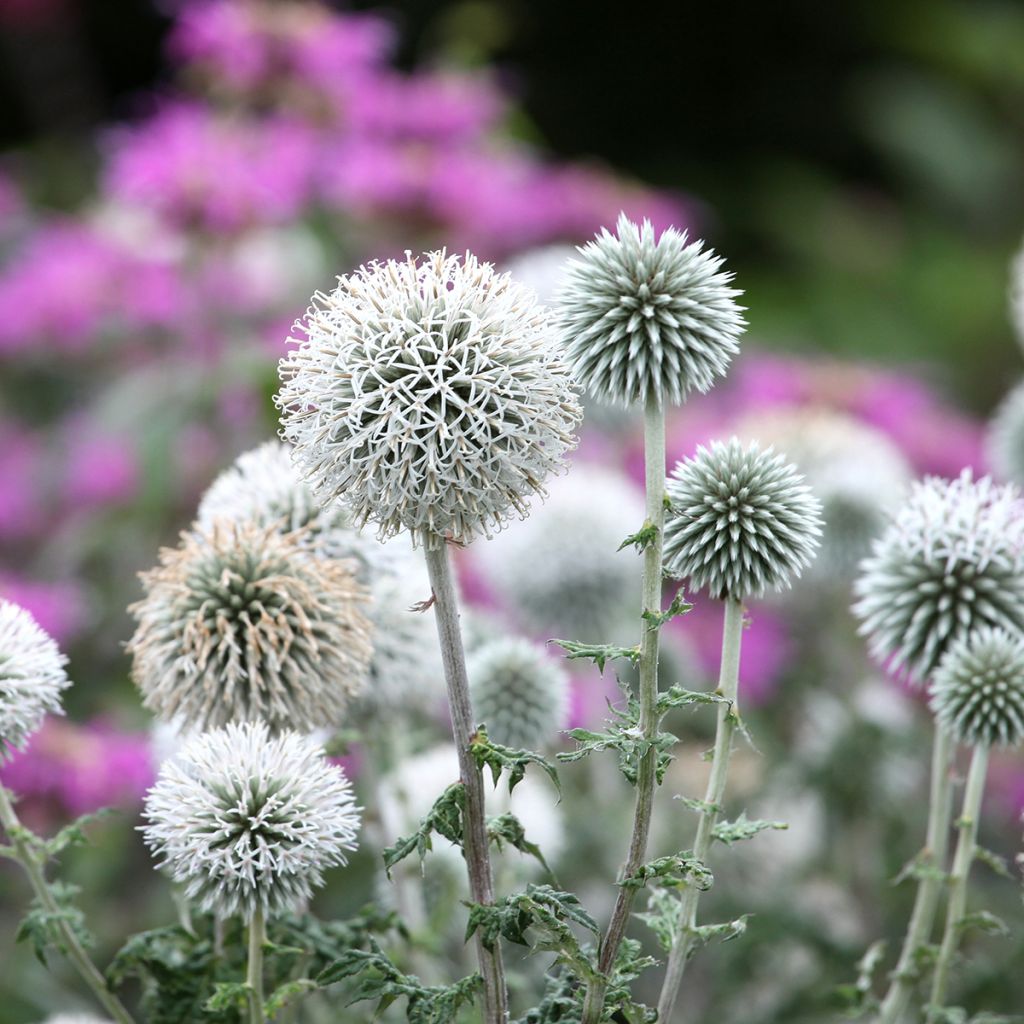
x=740 y=521
x=645 y=317
x=978 y=691
x=428 y=397
x=31 y=677
x=854 y=470
x=519 y=693
x=247 y=820
x=1005 y=441
x=561 y=572
x=241 y=622
x=950 y=562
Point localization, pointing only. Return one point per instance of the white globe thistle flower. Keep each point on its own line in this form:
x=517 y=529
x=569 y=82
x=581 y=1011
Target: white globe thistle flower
x=242 y=622
x=31 y=677
x=951 y=561
x=645 y=317
x=1005 y=440
x=978 y=690
x=248 y=821
x=855 y=471
x=740 y=521
x=544 y=269
x=410 y=790
x=561 y=571
x=519 y=693
x=428 y=397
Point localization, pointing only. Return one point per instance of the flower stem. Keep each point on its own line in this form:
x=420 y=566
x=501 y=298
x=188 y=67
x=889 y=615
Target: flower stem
x=654 y=466
x=962 y=860
x=32 y=862
x=477 y=853
x=922 y=918
x=254 y=972
x=728 y=720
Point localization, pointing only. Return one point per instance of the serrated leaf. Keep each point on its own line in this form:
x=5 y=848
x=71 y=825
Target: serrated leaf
x=676 y=870
x=228 y=995
x=700 y=806
x=678 y=697
x=42 y=927
x=729 y=832
x=985 y=922
x=444 y=819
x=599 y=654
x=724 y=932
x=662 y=917
x=642 y=539
x=499 y=758
x=678 y=606
x=921 y=868
x=507 y=828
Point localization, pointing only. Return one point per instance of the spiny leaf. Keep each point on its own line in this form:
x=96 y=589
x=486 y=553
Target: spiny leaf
x=73 y=834
x=983 y=921
x=499 y=758
x=42 y=927
x=679 y=606
x=678 y=869
x=662 y=916
x=599 y=654
x=228 y=995
x=701 y=806
x=730 y=832
x=921 y=868
x=444 y=818
x=507 y=828
x=994 y=861
x=288 y=993
x=677 y=697
x=724 y=932
x=642 y=539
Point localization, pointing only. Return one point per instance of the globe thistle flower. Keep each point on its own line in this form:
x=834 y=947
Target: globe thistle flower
x=1005 y=441
x=648 y=318
x=950 y=562
x=31 y=677
x=520 y=694
x=561 y=571
x=428 y=396
x=978 y=690
x=855 y=471
x=248 y=821
x=740 y=521
x=241 y=622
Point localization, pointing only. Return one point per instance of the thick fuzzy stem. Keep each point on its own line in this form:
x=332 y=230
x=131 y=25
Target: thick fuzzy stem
x=654 y=460
x=929 y=888
x=477 y=853
x=254 y=971
x=728 y=720
x=965 y=850
x=32 y=862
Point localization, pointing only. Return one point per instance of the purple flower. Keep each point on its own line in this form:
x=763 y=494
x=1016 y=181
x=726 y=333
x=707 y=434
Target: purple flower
x=21 y=501
x=60 y=608
x=100 y=470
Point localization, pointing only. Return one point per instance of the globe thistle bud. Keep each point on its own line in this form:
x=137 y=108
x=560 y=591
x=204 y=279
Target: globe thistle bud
x=950 y=562
x=561 y=572
x=31 y=677
x=740 y=521
x=1005 y=441
x=518 y=692
x=249 y=821
x=428 y=396
x=241 y=622
x=978 y=690
x=644 y=317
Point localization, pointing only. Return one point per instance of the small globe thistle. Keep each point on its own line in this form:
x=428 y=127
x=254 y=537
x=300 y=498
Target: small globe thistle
x=31 y=677
x=241 y=622
x=951 y=561
x=428 y=397
x=644 y=317
x=518 y=692
x=1005 y=441
x=246 y=820
x=855 y=471
x=740 y=521
x=978 y=690
x=561 y=571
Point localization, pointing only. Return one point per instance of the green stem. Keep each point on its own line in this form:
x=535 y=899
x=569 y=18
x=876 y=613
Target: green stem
x=962 y=860
x=254 y=972
x=728 y=720
x=654 y=464
x=474 y=840
x=922 y=919
x=32 y=862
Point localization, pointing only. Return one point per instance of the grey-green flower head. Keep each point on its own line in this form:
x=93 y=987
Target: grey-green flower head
x=1005 y=441
x=428 y=397
x=951 y=562
x=741 y=521
x=643 y=317
x=242 y=623
x=978 y=690
x=246 y=821
x=31 y=677
x=519 y=693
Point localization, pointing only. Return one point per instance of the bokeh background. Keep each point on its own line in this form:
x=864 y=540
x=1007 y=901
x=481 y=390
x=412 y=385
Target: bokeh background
x=176 y=180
